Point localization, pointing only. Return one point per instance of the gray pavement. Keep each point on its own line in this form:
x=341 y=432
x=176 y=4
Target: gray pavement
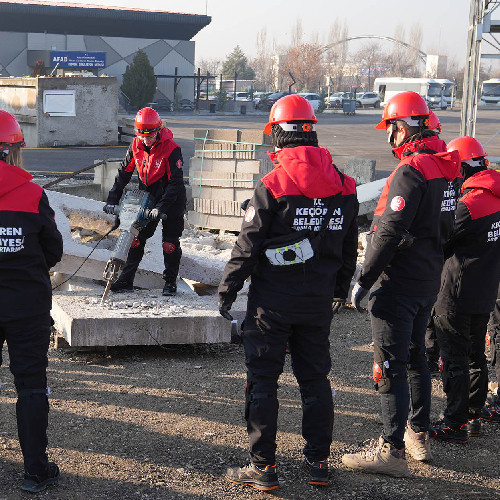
x=345 y=137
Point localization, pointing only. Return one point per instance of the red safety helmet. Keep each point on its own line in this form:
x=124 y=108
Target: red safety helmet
x=403 y=105
x=434 y=123
x=10 y=131
x=288 y=108
x=468 y=147
x=147 y=122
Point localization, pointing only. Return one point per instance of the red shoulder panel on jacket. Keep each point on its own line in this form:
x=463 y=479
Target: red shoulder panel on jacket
x=278 y=183
x=349 y=186
x=481 y=203
x=25 y=198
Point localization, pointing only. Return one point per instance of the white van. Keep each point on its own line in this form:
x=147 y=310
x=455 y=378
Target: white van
x=490 y=91
x=430 y=89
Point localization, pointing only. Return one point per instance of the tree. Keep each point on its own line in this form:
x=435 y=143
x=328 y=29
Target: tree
x=139 y=81
x=305 y=63
x=263 y=64
x=237 y=62
x=38 y=68
x=336 y=54
x=369 y=60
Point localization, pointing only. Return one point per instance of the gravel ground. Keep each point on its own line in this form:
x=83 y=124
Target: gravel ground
x=146 y=422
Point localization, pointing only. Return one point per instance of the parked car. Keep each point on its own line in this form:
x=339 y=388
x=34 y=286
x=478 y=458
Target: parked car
x=314 y=99
x=267 y=103
x=161 y=105
x=368 y=99
x=334 y=100
x=258 y=96
x=186 y=105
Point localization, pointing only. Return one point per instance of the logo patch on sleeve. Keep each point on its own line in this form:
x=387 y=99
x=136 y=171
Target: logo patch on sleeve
x=249 y=214
x=179 y=163
x=397 y=203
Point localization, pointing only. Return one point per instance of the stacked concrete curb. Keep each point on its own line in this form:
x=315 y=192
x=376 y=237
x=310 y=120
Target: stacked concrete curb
x=223 y=173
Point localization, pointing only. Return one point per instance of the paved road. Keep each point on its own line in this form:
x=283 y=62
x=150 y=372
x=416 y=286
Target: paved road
x=345 y=137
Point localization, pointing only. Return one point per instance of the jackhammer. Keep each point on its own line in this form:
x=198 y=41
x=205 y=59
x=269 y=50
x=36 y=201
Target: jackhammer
x=132 y=215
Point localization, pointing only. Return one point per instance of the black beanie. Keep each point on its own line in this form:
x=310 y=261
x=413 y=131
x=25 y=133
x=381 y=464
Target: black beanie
x=285 y=139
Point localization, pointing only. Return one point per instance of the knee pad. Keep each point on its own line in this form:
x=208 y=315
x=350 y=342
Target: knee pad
x=316 y=390
x=168 y=247
x=37 y=381
x=260 y=392
x=385 y=373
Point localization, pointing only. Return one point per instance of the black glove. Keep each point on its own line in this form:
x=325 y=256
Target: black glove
x=357 y=295
x=337 y=305
x=154 y=214
x=224 y=312
x=109 y=209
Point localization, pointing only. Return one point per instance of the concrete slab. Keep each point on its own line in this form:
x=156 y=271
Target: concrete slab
x=361 y=169
x=368 y=195
x=140 y=318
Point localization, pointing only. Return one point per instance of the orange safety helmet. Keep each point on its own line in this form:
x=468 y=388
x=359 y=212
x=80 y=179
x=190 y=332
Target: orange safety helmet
x=147 y=122
x=10 y=131
x=288 y=108
x=434 y=123
x=403 y=105
x=468 y=147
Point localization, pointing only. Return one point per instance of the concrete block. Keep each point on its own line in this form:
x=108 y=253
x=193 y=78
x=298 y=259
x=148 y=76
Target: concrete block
x=105 y=174
x=223 y=179
x=217 y=207
x=362 y=169
x=141 y=318
x=215 y=143
x=212 y=221
x=368 y=195
x=212 y=165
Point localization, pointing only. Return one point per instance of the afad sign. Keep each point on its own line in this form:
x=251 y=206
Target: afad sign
x=72 y=59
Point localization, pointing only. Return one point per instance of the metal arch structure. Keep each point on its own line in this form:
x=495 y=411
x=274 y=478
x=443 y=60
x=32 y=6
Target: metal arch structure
x=423 y=55
x=480 y=24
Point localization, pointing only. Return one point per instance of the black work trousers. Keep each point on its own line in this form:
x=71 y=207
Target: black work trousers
x=398 y=327
x=28 y=342
x=266 y=336
x=494 y=332
x=461 y=338
x=172 y=229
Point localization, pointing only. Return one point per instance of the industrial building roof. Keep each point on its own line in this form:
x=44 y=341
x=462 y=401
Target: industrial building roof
x=33 y=16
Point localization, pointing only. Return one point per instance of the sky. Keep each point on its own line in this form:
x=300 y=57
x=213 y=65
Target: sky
x=444 y=23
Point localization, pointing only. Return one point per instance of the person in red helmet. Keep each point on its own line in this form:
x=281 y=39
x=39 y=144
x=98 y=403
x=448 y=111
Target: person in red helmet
x=298 y=242
x=402 y=268
x=468 y=293
x=30 y=244
x=158 y=160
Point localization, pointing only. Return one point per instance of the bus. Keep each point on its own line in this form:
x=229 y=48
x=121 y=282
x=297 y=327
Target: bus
x=449 y=91
x=490 y=91
x=430 y=89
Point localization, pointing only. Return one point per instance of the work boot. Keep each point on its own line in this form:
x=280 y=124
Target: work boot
x=170 y=288
x=120 y=286
x=441 y=431
x=379 y=458
x=35 y=483
x=417 y=444
x=474 y=427
x=317 y=472
x=491 y=413
x=261 y=478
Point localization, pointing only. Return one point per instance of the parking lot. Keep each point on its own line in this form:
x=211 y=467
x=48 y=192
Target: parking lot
x=345 y=136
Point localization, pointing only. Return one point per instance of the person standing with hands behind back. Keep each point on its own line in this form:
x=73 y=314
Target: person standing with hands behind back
x=30 y=245
x=298 y=242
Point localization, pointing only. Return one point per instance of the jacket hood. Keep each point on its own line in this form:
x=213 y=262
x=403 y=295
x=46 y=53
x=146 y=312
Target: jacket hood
x=311 y=169
x=11 y=177
x=448 y=162
x=433 y=143
x=486 y=179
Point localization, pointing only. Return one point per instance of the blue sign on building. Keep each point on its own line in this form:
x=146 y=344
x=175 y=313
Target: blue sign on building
x=72 y=59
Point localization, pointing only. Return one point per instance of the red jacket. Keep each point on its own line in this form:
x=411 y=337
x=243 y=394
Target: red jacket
x=296 y=196
x=472 y=272
x=160 y=173
x=30 y=245
x=409 y=210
